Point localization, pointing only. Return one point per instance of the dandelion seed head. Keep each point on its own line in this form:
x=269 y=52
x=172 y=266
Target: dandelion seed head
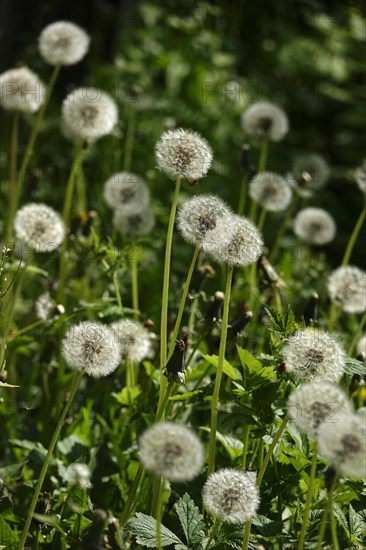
x=316 y=402
x=134 y=220
x=172 y=451
x=125 y=188
x=78 y=474
x=91 y=347
x=265 y=120
x=231 y=495
x=183 y=154
x=344 y=446
x=135 y=341
x=271 y=191
x=21 y=90
x=314 y=225
x=89 y=114
x=314 y=354
x=47 y=308
x=63 y=43
x=39 y=226
x=360 y=176
x=361 y=345
x=347 y=288
x=309 y=174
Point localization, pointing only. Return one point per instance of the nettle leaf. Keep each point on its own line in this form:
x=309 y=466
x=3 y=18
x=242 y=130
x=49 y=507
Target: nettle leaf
x=7 y=536
x=353 y=366
x=341 y=518
x=191 y=519
x=233 y=445
x=357 y=523
x=228 y=369
x=282 y=324
x=143 y=527
x=256 y=373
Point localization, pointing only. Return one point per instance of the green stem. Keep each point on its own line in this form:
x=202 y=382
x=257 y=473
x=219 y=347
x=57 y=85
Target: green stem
x=130 y=135
x=220 y=365
x=159 y=514
x=357 y=335
x=183 y=301
x=245 y=446
x=165 y=293
x=262 y=219
x=161 y=408
x=81 y=202
x=243 y=194
x=13 y=169
x=328 y=510
x=116 y=289
x=263 y=156
x=353 y=238
x=282 y=229
x=47 y=460
x=309 y=497
x=214 y=530
x=139 y=477
x=135 y=288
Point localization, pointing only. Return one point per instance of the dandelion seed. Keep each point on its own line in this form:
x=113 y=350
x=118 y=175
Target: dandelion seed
x=316 y=402
x=39 y=226
x=360 y=176
x=243 y=248
x=361 y=346
x=89 y=114
x=78 y=474
x=134 y=220
x=265 y=120
x=172 y=451
x=124 y=188
x=231 y=495
x=63 y=43
x=271 y=191
x=347 y=288
x=21 y=90
x=310 y=173
x=47 y=308
x=183 y=154
x=91 y=347
x=315 y=225
x=344 y=446
x=313 y=354
x=135 y=341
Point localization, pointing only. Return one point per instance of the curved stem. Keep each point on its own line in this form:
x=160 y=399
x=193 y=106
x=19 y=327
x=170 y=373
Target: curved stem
x=353 y=238
x=165 y=293
x=183 y=301
x=47 y=460
x=309 y=497
x=220 y=365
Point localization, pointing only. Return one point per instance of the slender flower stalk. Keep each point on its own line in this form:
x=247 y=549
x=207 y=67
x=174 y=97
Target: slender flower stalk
x=284 y=225
x=354 y=236
x=13 y=159
x=159 y=512
x=47 y=460
x=263 y=156
x=214 y=529
x=309 y=497
x=130 y=136
x=220 y=365
x=135 y=287
x=327 y=511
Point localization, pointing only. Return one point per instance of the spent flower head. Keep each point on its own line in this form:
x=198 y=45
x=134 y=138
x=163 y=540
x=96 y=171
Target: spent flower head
x=88 y=114
x=39 y=226
x=135 y=341
x=91 y=347
x=265 y=120
x=360 y=176
x=125 y=188
x=316 y=402
x=47 y=307
x=183 y=154
x=315 y=226
x=271 y=191
x=78 y=474
x=309 y=174
x=347 y=288
x=172 y=451
x=231 y=495
x=134 y=219
x=63 y=43
x=21 y=90
x=344 y=446
x=314 y=354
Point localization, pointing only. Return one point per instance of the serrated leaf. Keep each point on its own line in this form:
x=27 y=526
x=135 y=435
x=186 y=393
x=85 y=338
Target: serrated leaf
x=233 y=445
x=228 y=369
x=191 y=519
x=357 y=523
x=341 y=518
x=353 y=366
x=283 y=324
x=143 y=527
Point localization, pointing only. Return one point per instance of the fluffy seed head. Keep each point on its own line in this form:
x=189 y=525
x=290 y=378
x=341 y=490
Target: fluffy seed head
x=134 y=220
x=347 y=288
x=231 y=495
x=344 y=446
x=360 y=176
x=21 y=90
x=124 y=188
x=316 y=402
x=203 y=217
x=183 y=154
x=135 y=341
x=89 y=114
x=271 y=191
x=63 y=43
x=361 y=345
x=314 y=354
x=315 y=226
x=39 y=226
x=244 y=246
x=78 y=474
x=47 y=308
x=91 y=347
x=309 y=174
x=172 y=451
x=265 y=120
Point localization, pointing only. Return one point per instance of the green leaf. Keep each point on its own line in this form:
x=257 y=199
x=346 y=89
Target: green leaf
x=7 y=536
x=353 y=366
x=255 y=373
x=191 y=519
x=284 y=324
x=12 y=472
x=5 y=385
x=228 y=369
x=341 y=518
x=357 y=523
x=190 y=396
x=127 y=395
x=233 y=445
x=50 y=520
x=143 y=527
